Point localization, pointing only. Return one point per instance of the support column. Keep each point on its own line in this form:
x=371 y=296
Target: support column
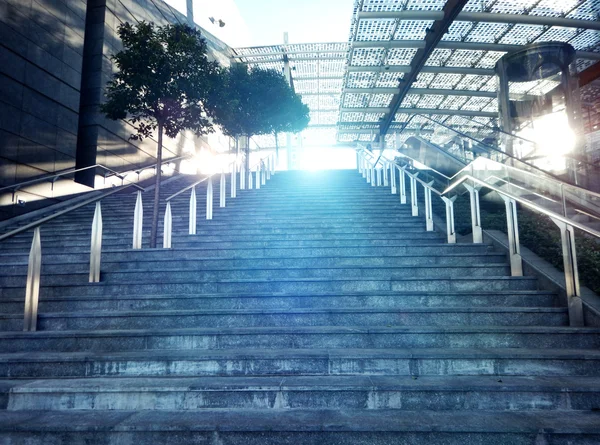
x=475 y=213
x=569 y=250
x=514 y=248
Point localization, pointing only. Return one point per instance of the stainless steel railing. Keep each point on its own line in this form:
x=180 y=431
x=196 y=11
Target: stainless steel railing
x=35 y=253
x=560 y=201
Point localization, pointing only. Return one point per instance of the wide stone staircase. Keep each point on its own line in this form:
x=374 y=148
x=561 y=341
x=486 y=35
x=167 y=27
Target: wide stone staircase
x=315 y=310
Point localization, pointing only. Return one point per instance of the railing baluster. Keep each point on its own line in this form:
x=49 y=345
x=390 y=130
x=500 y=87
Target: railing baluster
x=413 y=195
x=250 y=180
x=268 y=168
x=233 y=193
x=223 y=192
x=569 y=250
x=138 y=221
x=263 y=173
x=32 y=289
x=378 y=170
x=209 y=199
x=96 y=245
x=450 y=219
x=373 y=177
x=402 y=186
x=393 y=179
x=258 y=180
x=385 y=174
x=168 y=227
x=193 y=219
x=428 y=208
x=475 y=213
x=514 y=248
x=367 y=175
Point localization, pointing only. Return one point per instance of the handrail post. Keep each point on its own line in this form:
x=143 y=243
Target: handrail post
x=258 y=176
x=32 y=290
x=263 y=173
x=414 y=205
x=379 y=171
x=233 y=193
x=402 y=183
x=268 y=168
x=569 y=250
x=386 y=166
x=450 y=219
x=475 y=213
x=96 y=245
x=209 y=199
x=367 y=175
x=193 y=212
x=167 y=227
x=514 y=248
x=250 y=180
x=223 y=192
x=373 y=176
x=242 y=177
x=394 y=189
x=428 y=208
x=138 y=221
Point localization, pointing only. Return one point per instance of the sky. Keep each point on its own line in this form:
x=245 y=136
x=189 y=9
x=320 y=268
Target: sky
x=263 y=22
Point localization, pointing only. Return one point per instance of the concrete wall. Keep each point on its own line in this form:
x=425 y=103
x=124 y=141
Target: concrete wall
x=41 y=54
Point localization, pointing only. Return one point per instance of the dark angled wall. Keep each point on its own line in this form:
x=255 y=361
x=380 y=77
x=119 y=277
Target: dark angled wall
x=104 y=141
x=51 y=86
x=41 y=53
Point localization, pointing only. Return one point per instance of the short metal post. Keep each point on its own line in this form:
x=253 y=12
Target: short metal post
x=569 y=250
x=138 y=221
x=514 y=248
x=402 y=183
x=223 y=192
x=450 y=219
x=475 y=214
x=193 y=212
x=32 y=290
x=209 y=199
x=386 y=166
x=96 y=246
x=414 y=205
x=428 y=208
x=234 y=180
x=258 y=181
x=373 y=177
x=379 y=171
x=167 y=227
x=394 y=189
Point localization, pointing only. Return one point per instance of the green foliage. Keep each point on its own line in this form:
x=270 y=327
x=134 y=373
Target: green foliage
x=257 y=102
x=163 y=78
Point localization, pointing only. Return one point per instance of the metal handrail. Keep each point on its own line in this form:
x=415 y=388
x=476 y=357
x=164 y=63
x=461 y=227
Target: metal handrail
x=44 y=220
x=120 y=175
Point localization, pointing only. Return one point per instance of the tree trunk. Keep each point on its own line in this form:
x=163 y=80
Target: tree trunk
x=154 y=232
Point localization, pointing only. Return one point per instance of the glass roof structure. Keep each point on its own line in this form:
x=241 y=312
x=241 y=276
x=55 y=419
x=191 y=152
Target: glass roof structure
x=407 y=57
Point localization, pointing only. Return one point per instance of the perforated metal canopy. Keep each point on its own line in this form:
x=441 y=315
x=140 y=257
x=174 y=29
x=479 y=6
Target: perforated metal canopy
x=353 y=88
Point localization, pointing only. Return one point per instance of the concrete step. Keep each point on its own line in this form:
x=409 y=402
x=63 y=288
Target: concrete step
x=401 y=393
x=20 y=267
x=303 y=337
x=128 y=254
x=263 y=301
x=414 y=362
x=310 y=427
x=306 y=285
x=166 y=319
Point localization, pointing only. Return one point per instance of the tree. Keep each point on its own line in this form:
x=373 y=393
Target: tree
x=258 y=101
x=164 y=83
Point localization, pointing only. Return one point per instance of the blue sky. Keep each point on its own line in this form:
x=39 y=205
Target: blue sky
x=263 y=22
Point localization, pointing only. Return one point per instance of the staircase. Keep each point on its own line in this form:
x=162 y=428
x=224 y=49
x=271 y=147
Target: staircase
x=315 y=310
